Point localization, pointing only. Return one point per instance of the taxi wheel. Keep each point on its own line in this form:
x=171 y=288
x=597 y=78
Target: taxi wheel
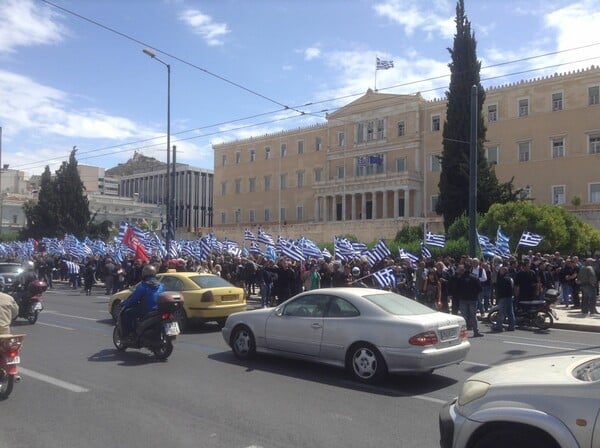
x=242 y=343
x=221 y=322
x=181 y=319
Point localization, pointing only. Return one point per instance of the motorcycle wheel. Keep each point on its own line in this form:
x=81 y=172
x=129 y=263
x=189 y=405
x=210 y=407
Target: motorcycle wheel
x=493 y=317
x=33 y=317
x=543 y=320
x=6 y=385
x=164 y=348
x=119 y=345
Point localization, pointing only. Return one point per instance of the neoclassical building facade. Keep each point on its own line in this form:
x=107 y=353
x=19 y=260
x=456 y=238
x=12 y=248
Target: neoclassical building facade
x=374 y=167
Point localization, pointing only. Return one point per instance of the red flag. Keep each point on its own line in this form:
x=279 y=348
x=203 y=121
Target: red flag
x=133 y=242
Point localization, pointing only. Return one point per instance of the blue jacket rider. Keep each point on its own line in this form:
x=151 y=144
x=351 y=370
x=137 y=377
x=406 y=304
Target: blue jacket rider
x=142 y=301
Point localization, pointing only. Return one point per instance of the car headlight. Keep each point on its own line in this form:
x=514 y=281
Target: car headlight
x=472 y=390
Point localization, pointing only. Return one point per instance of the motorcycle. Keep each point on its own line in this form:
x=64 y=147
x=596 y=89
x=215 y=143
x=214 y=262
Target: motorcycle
x=30 y=301
x=531 y=313
x=10 y=347
x=156 y=331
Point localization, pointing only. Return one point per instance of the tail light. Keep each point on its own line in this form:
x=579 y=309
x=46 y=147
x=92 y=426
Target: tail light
x=422 y=339
x=12 y=353
x=463 y=332
x=208 y=297
x=166 y=316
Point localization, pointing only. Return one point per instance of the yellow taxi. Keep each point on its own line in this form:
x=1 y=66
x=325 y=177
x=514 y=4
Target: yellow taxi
x=206 y=297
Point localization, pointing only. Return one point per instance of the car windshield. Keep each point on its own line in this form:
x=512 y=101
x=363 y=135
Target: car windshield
x=9 y=268
x=210 y=281
x=397 y=304
x=588 y=371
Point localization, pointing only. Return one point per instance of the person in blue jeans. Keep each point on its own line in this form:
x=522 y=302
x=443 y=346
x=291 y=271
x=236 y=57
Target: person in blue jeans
x=141 y=302
x=504 y=296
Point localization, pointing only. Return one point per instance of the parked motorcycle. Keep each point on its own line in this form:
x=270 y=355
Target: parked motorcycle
x=30 y=301
x=531 y=313
x=156 y=331
x=10 y=347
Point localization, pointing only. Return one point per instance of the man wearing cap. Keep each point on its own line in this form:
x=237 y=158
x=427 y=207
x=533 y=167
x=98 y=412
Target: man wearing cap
x=587 y=282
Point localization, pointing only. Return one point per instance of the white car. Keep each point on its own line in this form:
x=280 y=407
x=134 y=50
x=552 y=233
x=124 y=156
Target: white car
x=547 y=402
x=369 y=331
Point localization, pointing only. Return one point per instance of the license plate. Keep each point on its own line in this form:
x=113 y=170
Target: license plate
x=448 y=333
x=171 y=328
x=37 y=306
x=15 y=360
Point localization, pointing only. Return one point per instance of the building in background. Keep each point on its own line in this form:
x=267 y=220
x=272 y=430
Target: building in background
x=94 y=181
x=373 y=166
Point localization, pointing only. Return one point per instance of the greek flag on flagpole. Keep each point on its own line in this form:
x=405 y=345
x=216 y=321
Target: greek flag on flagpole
x=384 y=65
x=378 y=253
x=404 y=255
x=264 y=237
x=385 y=277
x=432 y=239
x=502 y=241
x=248 y=235
x=425 y=251
x=530 y=239
x=488 y=249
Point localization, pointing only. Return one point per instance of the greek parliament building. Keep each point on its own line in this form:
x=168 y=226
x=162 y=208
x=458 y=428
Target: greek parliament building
x=192 y=196
x=373 y=167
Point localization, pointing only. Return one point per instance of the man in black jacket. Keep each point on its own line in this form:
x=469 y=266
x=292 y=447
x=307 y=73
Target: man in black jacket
x=466 y=289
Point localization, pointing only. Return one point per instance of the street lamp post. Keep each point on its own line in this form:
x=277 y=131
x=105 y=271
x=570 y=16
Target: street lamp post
x=152 y=54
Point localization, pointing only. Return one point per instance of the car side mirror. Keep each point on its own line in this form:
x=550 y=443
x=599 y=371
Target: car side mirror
x=279 y=311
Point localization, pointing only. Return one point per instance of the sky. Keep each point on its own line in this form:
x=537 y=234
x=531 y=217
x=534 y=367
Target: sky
x=73 y=72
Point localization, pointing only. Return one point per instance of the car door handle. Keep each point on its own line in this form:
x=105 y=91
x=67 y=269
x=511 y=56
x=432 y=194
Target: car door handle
x=316 y=325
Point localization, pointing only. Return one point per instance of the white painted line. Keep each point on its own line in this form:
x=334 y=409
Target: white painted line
x=56 y=326
x=54 y=381
x=551 y=346
x=426 y=398
x=56 y=313
x=478 y=364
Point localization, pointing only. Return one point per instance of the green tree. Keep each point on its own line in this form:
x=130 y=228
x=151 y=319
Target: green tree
x=454 y=177
x=43 y=216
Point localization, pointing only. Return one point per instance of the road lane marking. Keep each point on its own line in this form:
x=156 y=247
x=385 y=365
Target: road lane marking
x=56 y=313
x=478 y=364
x=54 y=381
x=56 y=326
x=551 y=347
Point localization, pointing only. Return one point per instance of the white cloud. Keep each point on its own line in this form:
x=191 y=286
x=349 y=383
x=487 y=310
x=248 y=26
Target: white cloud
x=418 y=16
x=202 y=24
x=312 y=53
x=25 y=23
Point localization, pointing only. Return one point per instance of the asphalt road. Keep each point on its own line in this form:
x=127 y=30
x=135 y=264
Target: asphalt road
x=78 y=391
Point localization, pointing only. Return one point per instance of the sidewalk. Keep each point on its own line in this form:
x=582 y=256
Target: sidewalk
x=573 y=319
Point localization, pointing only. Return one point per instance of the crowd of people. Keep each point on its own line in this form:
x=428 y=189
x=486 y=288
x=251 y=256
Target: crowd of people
x=466 y=286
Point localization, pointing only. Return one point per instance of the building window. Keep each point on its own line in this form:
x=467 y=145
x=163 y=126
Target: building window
x=301 y=147
x=401 y=165
x=401 y=128
x=283 y=181
x=252 y=155
x=300 y=180
x=370 y=131
x=341 y=139
x=360 y=131
x=282 y=214
x=492 y=154
x=593 y=95
x=283 y=150
x=340 y=172
x=14 y=219
x=594 y=144
x=435 y=162
x=380 y=129
x=238 y=186
x=223 y=188
x=267 y=183
x=300 y=213
x=267 y=153
x=223 y=218
x=557 y=101
x=223 y=159
x=267 y=215
x=558 y=147
x=238 y=158
x=595 y=193
x=251 y=215
x=237 y=215
x=524 y=150
x=252 y=184
x=318 y=174
x=523 y=107
x=492 y=113
x=558 y=194
x=318 y=143
x=435 y=123
x=434 y=201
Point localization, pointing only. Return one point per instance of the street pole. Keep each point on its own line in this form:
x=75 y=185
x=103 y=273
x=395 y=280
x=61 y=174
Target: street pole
x=174 y=212
x=473 y=175
x=152 y=54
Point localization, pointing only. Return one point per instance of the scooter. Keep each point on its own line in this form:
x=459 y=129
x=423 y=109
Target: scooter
x=30 y=301
x=156 y=331
x=531 y=313
x=10 y=347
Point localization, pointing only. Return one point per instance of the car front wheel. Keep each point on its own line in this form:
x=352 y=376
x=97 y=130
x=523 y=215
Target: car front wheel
x=242 y=343
x=366 y=363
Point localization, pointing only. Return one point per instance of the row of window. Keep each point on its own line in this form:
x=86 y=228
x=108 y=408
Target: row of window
x=237 y=215
x=267 y=151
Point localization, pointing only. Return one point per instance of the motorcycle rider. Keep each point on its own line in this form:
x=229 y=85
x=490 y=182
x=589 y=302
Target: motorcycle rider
x=8 y=312
x=23 y=280
x=142 y=301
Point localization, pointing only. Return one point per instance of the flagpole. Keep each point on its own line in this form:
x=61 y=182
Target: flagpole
x=375 y=73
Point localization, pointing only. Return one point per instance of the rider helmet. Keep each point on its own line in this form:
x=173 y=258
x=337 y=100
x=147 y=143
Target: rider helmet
x=28 y=265
x=148 y=271
x=355 y=271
